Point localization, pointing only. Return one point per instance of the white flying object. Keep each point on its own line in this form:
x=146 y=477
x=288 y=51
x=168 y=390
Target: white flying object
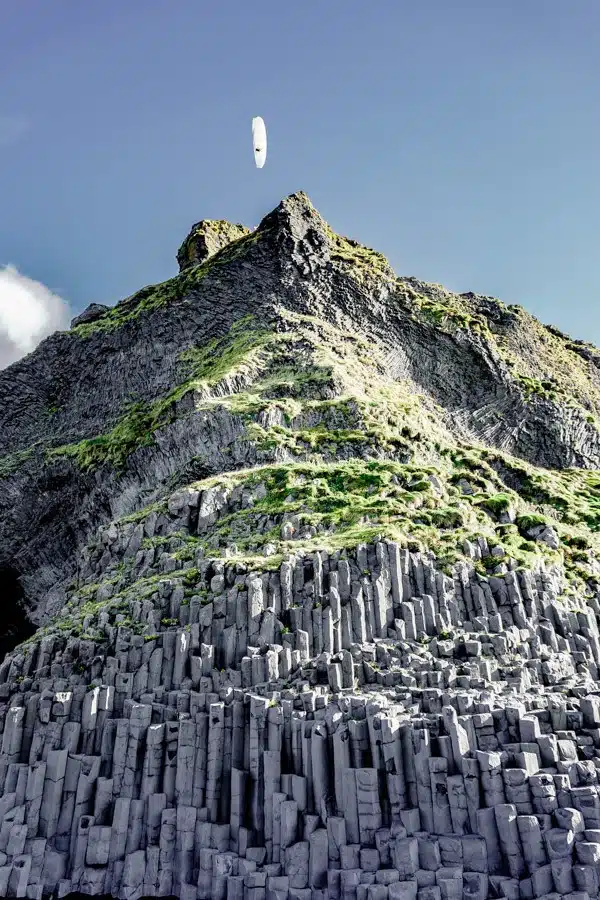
x=259 y=141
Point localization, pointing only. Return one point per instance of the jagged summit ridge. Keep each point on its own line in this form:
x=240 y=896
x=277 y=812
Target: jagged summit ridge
x=312 y=550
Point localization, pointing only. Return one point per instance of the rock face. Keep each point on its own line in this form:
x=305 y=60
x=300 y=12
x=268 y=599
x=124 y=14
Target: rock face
x=318 y=609
x=205 y=239
x=90 y=314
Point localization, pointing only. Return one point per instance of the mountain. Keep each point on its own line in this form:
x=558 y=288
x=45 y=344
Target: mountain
x=300 y=573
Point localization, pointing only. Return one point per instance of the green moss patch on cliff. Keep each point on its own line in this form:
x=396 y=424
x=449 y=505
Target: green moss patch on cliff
x=134 y=430
x=12 y=462
x=363 y=261
x=450 y=314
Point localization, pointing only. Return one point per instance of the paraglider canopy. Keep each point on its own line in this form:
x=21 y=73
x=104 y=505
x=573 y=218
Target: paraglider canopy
x=259 y=141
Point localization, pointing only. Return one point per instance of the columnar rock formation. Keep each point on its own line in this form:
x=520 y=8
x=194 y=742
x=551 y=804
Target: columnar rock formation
x=346 y=654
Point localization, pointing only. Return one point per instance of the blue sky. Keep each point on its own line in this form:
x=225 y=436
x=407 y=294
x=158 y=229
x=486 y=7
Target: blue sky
x=459 y=137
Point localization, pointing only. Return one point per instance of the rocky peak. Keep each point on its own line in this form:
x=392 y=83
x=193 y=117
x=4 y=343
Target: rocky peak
x=205 y=239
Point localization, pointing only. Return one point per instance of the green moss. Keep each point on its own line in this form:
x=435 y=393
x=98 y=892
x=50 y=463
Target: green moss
x=450 y=316
x=348 y=503
x=213 y=361
x=570 y=496
x=12 y=462
x=207 y=228
x=581 y=542
x=533 y=387
x=525 y=523
x=140 y=515
x=498 y=503
x=529 y=546
x=364 y=261
x=191 y=576
x=447 y=517
x=134 y=430
x=579 y=555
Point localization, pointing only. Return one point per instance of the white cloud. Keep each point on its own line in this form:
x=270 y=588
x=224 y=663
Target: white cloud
x=29 y=312
x=12 y=128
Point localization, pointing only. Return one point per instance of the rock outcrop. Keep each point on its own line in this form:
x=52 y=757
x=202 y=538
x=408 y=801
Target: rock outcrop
x=90 y=314
x=317 y=610
x=205 y=239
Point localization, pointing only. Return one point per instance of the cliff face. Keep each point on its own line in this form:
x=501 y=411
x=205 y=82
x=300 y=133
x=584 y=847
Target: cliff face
x=311 y=553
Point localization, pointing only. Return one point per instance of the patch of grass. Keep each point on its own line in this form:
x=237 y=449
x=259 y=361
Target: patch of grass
x=533 y=387
x=525 y=523
x=134 y=430
x=221 y=356
x=580 y=542
x=347 y=503
x=529 y=546
x=11 y=462
x=570 y=496
x=364 y=261
x=498 y=503
x=450 y=316
x=140 y=515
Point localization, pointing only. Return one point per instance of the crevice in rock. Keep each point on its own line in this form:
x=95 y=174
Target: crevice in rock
x=15 y=625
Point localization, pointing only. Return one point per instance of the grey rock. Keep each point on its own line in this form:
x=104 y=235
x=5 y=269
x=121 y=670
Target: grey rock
x=92 y=312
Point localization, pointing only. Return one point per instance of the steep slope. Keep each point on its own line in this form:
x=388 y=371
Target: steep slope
x=312 y=552
x=497 y=376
